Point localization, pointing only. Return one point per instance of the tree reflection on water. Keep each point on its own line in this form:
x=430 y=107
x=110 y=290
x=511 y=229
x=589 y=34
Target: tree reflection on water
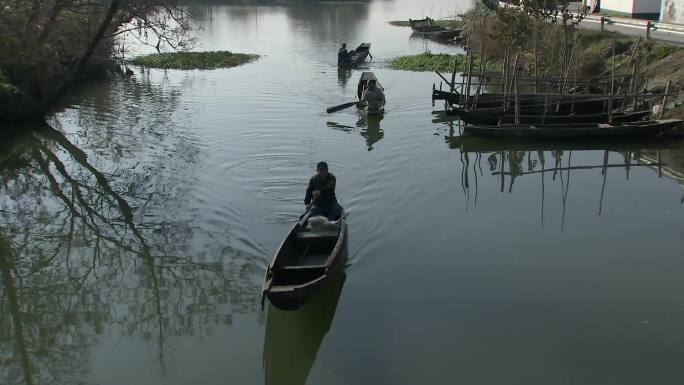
x=82 y=251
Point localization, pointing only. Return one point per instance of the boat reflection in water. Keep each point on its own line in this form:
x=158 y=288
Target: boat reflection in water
x=367 y=125
x=343 y=75
x=370 y=128
x=293 y=338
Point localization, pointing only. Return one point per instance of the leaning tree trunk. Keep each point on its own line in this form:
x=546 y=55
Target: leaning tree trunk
x=53 y=98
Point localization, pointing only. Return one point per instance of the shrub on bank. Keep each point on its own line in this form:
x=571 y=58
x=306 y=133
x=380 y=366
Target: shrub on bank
x=194 y=60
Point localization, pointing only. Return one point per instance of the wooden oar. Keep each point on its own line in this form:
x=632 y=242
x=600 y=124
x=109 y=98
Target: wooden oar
x=305 y=217
x=340 y=107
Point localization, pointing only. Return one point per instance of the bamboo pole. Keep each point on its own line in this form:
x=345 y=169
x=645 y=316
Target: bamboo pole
x=461 y=97
x=546 y=103
x=453 y=76
x=515 y=70
x=567 y=72
x=517 y=99
x=504 y=74
x=480 y=84
x=612 y=86
x=574 y=86
x=483 y=61
x=442 y=76
x=637 y=66
x=536 y=63
x=629 y=64
x=662 y=110
x=470 y=73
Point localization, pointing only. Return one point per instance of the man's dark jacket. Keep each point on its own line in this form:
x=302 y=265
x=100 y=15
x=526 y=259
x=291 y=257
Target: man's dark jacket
x=326 y=187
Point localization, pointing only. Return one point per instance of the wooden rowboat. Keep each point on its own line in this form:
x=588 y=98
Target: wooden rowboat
x=363 y=83
x=304 y=263
x=487 y=118
x=428 y=28
x=580 y=130
x=356 y=56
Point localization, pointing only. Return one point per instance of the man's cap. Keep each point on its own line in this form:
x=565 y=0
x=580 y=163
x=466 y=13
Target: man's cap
x=322 y=166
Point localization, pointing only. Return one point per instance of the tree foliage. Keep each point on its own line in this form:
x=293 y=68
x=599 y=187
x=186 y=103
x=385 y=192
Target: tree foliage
x=45 y=45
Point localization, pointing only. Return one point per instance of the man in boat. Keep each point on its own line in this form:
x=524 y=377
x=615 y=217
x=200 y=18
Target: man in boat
x=374 y=96
x=343 y=54
x=321 y=194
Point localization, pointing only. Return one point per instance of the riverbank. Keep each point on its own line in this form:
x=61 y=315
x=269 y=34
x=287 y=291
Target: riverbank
x=194 y=60
x=548 y=49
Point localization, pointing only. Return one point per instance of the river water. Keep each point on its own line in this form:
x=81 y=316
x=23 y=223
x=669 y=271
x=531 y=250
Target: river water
x=135 y=232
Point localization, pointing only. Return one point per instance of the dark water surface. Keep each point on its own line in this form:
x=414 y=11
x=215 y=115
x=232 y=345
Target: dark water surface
x=134 y=238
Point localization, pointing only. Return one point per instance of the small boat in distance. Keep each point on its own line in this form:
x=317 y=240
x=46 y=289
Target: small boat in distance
x=428 y=28
x=304 y=262
x=356 y=57
x=363 y=83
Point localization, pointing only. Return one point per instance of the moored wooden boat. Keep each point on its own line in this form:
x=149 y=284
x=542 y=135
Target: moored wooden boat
x=530 y=103
x=428 y=28
x=489 y=118
x=356 y=56
x=303 y=263
x=580 y=130
x=363 y=83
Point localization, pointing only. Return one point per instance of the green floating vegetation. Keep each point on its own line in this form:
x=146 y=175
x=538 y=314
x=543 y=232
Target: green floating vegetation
x=437 y=62
x=194 y=60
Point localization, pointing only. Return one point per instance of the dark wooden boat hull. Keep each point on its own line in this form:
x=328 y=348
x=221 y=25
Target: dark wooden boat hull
x=532 y=104
x=451 y=97
x=483 y=118
x=291 y=279
x=490 y=145
x=356 y=56
x=579 y=131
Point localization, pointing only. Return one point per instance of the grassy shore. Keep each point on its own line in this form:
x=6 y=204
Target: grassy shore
x=194 y=60
x=441 y=62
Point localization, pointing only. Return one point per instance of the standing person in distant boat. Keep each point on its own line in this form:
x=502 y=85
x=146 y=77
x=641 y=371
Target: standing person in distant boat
x=343 y=54
x=321 y=194
x=373 y=95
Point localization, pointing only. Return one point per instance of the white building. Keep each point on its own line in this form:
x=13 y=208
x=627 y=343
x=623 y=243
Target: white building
x=672 y=11
x=639 y=9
